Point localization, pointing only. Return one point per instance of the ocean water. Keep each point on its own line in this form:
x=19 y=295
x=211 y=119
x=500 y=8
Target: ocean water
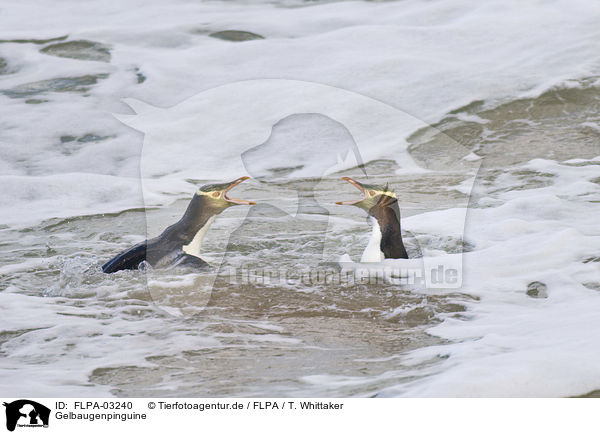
x=483 y=117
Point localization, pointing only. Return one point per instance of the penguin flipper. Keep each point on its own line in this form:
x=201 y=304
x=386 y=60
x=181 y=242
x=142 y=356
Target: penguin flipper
x=190 y=261
x=130 y=259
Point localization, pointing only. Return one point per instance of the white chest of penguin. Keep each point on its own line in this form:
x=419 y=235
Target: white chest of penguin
x=193 y=248
x=373 y=251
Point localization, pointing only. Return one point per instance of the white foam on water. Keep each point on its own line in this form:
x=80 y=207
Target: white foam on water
x=430 y=58
x=39 y=354
x=514 y=345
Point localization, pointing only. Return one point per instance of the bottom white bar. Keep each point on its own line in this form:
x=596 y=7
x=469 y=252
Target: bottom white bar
x=284 y=415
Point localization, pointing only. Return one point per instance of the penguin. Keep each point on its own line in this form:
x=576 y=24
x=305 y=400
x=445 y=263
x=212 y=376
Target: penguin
x=179 y=244
x=381 y=205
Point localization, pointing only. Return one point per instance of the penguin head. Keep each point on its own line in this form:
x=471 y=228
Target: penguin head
x=374 y=196
x=215 y=195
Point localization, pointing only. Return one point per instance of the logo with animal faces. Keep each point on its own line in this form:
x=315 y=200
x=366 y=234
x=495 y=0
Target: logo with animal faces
x=24 y=413
x=296 y=139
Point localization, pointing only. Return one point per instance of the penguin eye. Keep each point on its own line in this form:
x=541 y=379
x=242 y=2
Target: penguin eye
x=372 y=193
x=216 y=194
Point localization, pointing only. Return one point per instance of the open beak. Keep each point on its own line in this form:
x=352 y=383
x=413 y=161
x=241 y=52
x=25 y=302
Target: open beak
x=357 y=185
x=237 y=201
